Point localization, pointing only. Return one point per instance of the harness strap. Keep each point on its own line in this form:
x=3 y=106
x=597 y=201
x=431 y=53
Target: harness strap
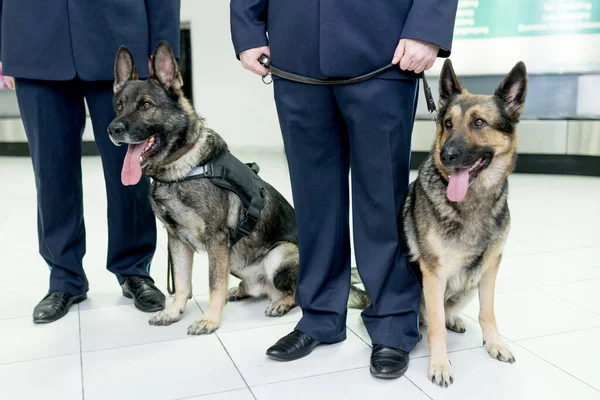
x=266 y=62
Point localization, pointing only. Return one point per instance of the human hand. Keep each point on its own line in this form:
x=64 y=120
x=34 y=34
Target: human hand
x=415 y=55
x=249 y=59
x=10 y=81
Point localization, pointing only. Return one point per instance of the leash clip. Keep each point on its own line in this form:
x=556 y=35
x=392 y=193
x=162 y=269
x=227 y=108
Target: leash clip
x=266 y=62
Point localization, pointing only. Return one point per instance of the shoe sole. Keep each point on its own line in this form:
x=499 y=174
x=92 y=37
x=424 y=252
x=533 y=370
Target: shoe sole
x=135 y=303
x=76 y=300
x=383 y=375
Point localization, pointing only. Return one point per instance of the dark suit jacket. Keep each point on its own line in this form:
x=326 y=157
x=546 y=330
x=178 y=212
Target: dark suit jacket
x=339 y=38
x=59 y=39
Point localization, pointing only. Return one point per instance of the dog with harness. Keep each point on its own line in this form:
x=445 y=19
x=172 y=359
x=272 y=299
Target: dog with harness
x=206 y=198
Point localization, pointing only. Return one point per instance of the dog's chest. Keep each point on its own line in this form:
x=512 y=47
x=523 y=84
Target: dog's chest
x=179 y=219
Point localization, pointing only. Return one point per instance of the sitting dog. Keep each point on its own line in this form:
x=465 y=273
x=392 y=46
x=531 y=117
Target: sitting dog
x=168 y=142
x=456 y=218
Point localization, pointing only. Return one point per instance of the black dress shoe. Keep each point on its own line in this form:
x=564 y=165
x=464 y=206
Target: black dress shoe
x=388 y=362
x=55 y=306
x=144 y=293
x=292 y=347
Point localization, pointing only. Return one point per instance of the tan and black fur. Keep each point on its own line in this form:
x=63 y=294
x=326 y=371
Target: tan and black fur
x=458 y=245
x=197 y=214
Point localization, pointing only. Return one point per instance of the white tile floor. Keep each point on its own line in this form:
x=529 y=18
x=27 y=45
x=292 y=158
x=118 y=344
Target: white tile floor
x=548 y=309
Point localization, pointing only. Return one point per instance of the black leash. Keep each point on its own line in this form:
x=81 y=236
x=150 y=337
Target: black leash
x=266 y=62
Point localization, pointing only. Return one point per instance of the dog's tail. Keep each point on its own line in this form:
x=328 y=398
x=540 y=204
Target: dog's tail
x=358 y=297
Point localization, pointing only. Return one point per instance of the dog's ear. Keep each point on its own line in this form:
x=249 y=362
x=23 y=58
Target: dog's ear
x=124 y=68
x=513 y=91
x=449 y=84
x=164 y=67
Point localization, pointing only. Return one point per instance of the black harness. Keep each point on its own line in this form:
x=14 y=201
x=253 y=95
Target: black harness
x=229 y=173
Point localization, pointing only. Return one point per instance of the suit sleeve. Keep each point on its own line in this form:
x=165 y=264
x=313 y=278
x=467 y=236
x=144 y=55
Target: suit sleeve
x=164 y=22
x=1 y=30
x=248 y=20
x=432 y=21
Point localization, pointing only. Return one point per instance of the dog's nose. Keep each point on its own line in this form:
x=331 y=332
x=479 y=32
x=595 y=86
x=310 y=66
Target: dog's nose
x=452 y=152
x=116 y=129
x=449 y=155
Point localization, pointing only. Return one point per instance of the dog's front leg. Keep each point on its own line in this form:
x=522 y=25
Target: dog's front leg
x=434 y=287
x=182 y=257
x=218 y=271
x=487 y=318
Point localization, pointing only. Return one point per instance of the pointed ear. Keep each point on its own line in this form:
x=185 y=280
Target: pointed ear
x=164 y=67
x=449 y=84
x=124 y=68
x=513 y=91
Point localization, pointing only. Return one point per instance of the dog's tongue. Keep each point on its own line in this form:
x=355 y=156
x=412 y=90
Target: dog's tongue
x=458 y=185
x=132 y=170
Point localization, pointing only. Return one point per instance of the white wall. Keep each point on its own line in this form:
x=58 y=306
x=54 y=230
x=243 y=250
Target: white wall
x=235 y=102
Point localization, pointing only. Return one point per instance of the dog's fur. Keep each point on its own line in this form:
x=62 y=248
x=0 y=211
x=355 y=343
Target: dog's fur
x=458 y=245
x=198 y=215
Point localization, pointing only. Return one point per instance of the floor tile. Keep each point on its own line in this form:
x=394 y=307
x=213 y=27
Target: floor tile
x=247 y=349
x=241 y=394
x=249 y=314
x=19 y=303
x=165 y=370
x=23 y=340
x=113 y=327
x=57 y=378
x=553 y=268
x=478 y=376
x=575 y=352
x=456 y=341
x=356 y=384
x=531 y=313
x=585 y=294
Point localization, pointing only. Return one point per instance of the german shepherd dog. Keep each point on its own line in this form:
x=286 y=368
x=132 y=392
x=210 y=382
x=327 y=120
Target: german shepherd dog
x=456 y=219
x=167 y=139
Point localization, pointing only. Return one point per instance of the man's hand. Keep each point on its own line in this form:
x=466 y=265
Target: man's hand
x=415 y=55
x=249 y=59
x=10 y=81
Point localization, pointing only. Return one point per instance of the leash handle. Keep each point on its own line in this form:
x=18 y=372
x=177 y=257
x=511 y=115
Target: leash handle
x=265 y=61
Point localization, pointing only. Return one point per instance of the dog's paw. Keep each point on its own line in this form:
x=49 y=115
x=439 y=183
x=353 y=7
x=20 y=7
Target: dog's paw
x=165 y=317
x=203 y=327
x=456 y=324
x=500 y=352
x=236 y=294
x=440 y=373
x=278 y=309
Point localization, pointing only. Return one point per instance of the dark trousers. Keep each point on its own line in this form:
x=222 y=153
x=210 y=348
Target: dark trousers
x=53 y=114
x=327 y=131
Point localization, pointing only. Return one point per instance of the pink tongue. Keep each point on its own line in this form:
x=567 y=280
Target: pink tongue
x=458 y=185
x=132 y=171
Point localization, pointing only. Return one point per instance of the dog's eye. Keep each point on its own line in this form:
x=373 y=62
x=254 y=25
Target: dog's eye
x=448 y=124
x=145 y=105
x=479 y=123
x=119 y=107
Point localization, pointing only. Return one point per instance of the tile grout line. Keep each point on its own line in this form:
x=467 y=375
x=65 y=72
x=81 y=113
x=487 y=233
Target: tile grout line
x=308 y=377
x=541 y=288
x=80 y=353
x=236 y=367
x=536 y=253
x=207 y=394
x=555 y=366
x=227 y=352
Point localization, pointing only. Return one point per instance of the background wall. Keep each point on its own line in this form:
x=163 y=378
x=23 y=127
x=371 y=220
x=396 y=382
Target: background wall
x=559 y=40
x=236 y=103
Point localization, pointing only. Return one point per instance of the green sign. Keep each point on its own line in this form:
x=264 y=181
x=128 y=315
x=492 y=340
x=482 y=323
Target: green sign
x=482 y=19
